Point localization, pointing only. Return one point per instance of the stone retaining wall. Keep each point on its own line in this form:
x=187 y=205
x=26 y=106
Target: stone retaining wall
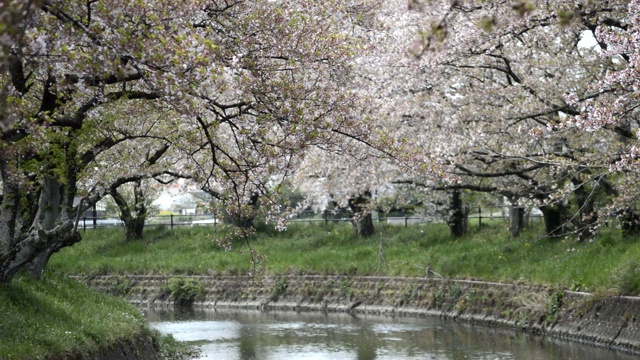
x=604 y=321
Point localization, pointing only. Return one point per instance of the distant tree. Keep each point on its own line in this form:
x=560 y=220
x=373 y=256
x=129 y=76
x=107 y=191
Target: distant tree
x=134 y=203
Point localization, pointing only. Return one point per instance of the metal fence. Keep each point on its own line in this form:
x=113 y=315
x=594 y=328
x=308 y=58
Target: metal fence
x=171 y=221
x=477 y=216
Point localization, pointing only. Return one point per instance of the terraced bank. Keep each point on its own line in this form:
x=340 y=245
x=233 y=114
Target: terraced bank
x=606 y=321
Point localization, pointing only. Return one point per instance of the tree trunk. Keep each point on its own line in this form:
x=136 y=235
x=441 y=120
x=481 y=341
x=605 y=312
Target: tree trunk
x=245 y=217
x=363 y=224
x=57 y=239
x=50 y=215
x=361 y=219
x=133 y=222
x=26 y=248
x=554 y=219
x=516 y=220
x=134 y=228
x=459 y=215
x=630 y=222
x=36 y=228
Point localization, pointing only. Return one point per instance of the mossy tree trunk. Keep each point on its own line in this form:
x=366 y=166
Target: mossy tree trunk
x=36 y=221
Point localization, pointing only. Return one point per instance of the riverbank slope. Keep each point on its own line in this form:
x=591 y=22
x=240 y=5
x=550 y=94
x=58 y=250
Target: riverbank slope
x=59 y=318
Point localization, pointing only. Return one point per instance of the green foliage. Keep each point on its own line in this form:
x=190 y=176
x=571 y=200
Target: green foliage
x=565 y=16
x=455 y=292
x=170 y=348
x=553 y=308
x=263 y=228
x=408 y=295
x=279 y=288
x=346 y=289
x=577 y=284
x=487 y=24
x=121 y=287
x=184 y=291
x=158 y=232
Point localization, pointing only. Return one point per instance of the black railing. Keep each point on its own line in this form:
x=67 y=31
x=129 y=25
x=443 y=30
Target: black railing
x=171 y=220
x=175 y=220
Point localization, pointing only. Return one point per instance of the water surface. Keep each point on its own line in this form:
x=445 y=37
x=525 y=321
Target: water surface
x=241 y=334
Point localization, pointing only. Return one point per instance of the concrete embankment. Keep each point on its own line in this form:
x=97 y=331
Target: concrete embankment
x=607 y=321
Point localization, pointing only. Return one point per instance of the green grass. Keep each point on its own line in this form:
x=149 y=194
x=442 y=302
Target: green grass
x=56 y=316
x=486 y=253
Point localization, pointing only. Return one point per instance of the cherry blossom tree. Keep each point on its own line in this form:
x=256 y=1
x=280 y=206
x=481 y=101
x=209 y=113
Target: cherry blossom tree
x=488 y=106
x=12 y=14
x=140 y=150
x=40 y=159
x=616 y=106
x=352 y=180
x=351 y=173
x=247 y=96
x=499 y=80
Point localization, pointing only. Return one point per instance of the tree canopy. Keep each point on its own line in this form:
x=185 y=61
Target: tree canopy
x=532 y=101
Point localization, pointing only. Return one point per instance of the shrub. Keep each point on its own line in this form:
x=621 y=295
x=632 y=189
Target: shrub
x=120 y=287
x=184 y=291
x=279 y=288
x=553 y=308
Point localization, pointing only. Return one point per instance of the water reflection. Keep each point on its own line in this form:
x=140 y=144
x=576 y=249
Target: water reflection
x=237 y=334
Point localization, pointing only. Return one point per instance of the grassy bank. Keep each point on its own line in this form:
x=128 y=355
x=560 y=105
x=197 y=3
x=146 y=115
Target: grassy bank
x=56 y=316
x=608 y=263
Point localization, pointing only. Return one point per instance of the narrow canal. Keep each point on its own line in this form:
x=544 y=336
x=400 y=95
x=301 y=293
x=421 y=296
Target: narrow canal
x=241 y=334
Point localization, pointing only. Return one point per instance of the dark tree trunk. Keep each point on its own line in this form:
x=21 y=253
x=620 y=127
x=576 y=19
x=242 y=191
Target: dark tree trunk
x=516 y=220
x=56 y=222
x=459 y=215
x=361 y=219
x=554 y=219
x=630 y=222
x=363 y=224
x=245 y=219
x=134 y=228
